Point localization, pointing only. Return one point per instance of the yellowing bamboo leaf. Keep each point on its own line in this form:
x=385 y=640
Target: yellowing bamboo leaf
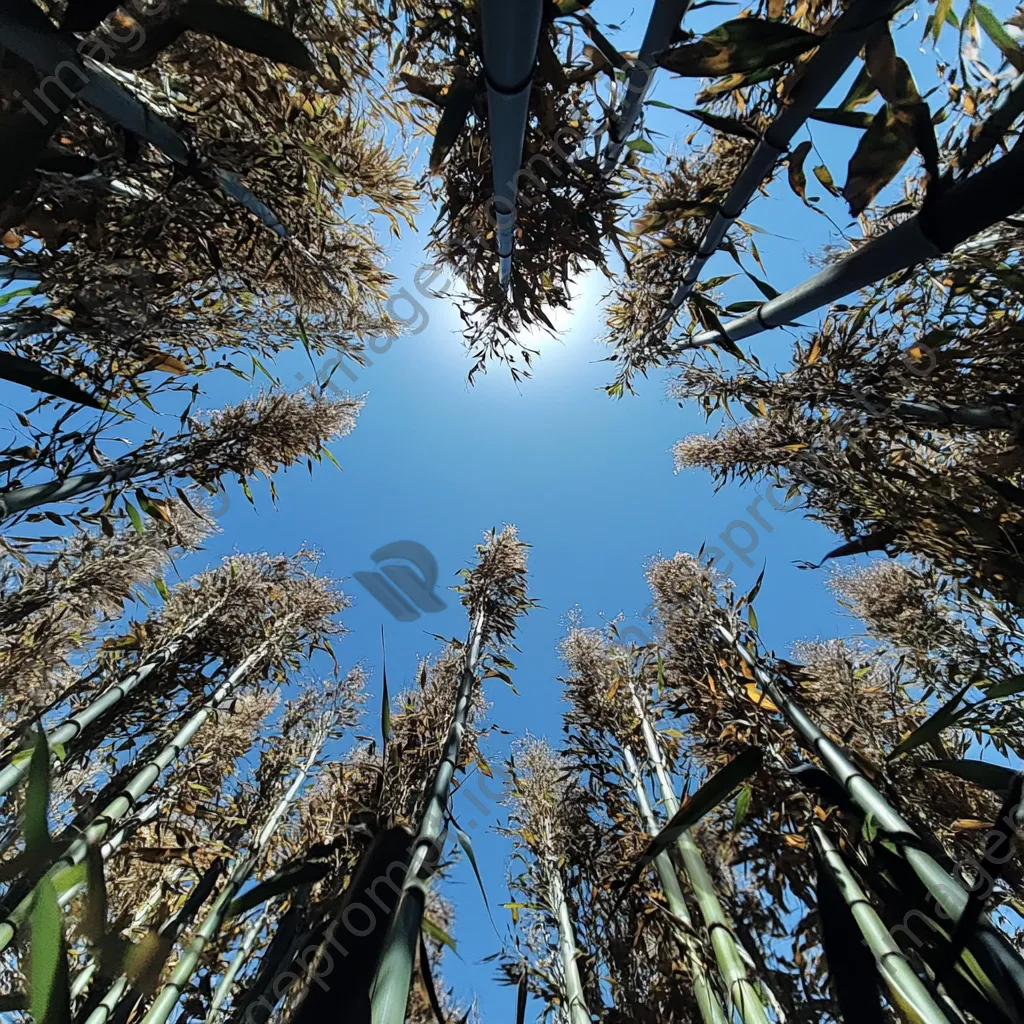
x=737 y=47
x=759 y=698
x=797 y=177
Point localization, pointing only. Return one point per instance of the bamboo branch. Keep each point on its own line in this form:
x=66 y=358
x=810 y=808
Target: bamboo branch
x=970 y=206
x=665 y=19
x=837 y=51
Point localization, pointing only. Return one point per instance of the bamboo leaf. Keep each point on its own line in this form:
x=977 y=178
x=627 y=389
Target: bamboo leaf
x=94 y=916
x=133 y=515
x=862 y=89
x=997 y=33
x=942 y=10
x=428 y=982
x=385 y=699
x=715 y=791
x=466 y=843
x=822 y=173
x=49 y=992
x=438 y=934
x=457 y=108
x=847 y=118
x=35 y=823
x=728 y=125
x=929 y=730
x=742 y=806
x=995 y=777
x=31 y=375
x=244 y=31
x=276 y=885
x=1006 y=688
x=738 y=47
x=883 y=149
x=640 y=146
x=797 y=177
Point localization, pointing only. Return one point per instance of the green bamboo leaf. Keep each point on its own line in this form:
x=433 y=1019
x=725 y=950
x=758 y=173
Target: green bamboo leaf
x=640 y=146
x=438 y=934
x=997 y=33
x=859 y=92
x=995 y=777
x=466 y=843
x=458 y=105
x=738 y=47
x=929 y=730
x=428 y=982
x=31 y=375
x=942 y=9
x=847 y=118
x=49 y=993
x=133 y=515
x=244 y=31
x=35 y=825
x=276 y=885
x=1006 y=688
x=94 y=917
x=742 y=806
x=752 y=617
x=714 y=792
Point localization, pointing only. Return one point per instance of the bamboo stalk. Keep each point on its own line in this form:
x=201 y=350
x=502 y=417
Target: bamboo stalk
x=665 y=18
x=569 y=952
x=837 y=51
x=97 y=829
x=741 y=991
x=170 y=931
x=997 y=957
x=905 y=987
x=242 y=954
x=20 y=499
x=390 y=992
x=708 y=1003
x=75 y=724
x=510 y=32
x=110 y=846
x=166 y=1000
x=970 y=206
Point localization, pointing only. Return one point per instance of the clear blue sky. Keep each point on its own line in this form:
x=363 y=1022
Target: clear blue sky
x=589 y=482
